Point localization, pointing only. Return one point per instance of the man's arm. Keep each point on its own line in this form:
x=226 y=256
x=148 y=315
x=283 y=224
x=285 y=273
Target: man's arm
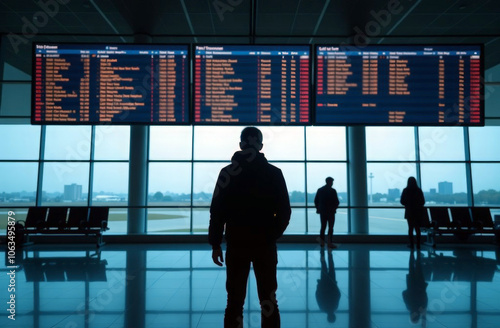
x=284 y=210
x=316 y=201
x=217 y=221
x=336 y=199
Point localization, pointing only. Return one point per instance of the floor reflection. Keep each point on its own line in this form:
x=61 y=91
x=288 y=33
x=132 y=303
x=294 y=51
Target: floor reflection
x=327 y=290
x=178 y=286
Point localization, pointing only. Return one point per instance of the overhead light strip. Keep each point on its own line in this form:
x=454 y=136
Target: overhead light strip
x=184 y=8
x=400 y=20
x=106 y=19
x=320 y=19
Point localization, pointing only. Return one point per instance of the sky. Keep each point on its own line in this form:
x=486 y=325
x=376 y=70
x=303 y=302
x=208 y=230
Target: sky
x=219 y=143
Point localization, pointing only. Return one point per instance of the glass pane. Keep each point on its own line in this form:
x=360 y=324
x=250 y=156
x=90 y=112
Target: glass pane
x=19 y=142
x=169 y=184
x=112 y=142
x=19 y=214
x=318 y=172
x=484 y=143
x=201 y=220
x=169 y=220
x=437 y=143
x=170 y=142
x=117 y=221
x=205 y=177
x=387 y=221
x=387 y=182
x=283 y=142
x=18 y=184
x=390 y=143
x=110 y=184
x=216 y=142
x=326 y=143
x=297 y=223
x=67 y=142
x=444 y=184
x=341 y=225
x=486 y=184
x=15 y=99
x=65 y=184
x=295 y=181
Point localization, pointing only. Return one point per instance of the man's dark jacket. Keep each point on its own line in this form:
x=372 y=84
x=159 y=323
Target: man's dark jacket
x=326 y=200
x=251 y=200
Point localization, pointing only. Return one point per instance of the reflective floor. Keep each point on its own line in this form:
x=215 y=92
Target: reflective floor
x=179 y=286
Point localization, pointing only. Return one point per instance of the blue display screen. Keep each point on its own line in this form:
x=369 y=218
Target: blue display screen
x=251 y=84
x=104 y=83
x=399 y=85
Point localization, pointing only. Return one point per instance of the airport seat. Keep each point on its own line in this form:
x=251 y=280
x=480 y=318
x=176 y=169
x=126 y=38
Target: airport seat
x=35 y=219
x=440 y=218
x=86 y=221
x=481 y=218
x=77 y=218
x=461 y=219
x=56 y=218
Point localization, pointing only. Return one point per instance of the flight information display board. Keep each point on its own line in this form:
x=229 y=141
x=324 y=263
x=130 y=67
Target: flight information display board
x=110 y=83
x=399 y=85
x=251 y=84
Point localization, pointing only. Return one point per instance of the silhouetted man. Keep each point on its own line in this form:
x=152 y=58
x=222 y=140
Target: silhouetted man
x=326 y=203
x=251 y=200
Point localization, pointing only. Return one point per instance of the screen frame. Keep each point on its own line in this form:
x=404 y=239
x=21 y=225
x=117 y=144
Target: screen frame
x=417 y=124
x=310 y=107
x=188 y=84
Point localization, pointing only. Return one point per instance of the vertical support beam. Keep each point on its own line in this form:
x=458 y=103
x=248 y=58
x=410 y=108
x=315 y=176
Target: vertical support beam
x=137 y=186
x=138 y=170
x=41 y=158
x=358 y=194
x=468 y=168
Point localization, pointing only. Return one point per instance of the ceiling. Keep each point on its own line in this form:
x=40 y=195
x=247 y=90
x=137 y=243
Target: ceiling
x=248 y=21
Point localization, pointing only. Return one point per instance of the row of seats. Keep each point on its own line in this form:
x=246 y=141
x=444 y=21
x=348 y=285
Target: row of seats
x=460 y=221
x=45 y=219
x=64 y=220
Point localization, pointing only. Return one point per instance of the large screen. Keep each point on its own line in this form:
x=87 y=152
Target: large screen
x=251 y=84
x=399 y=85
x=110 y=83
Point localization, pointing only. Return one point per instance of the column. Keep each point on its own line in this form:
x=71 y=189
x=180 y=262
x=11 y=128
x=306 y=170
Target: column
x=358 y=194
x=138 y=169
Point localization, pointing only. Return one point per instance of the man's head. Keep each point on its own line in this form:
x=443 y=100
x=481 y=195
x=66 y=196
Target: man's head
x=251 y=137
x=329 y=181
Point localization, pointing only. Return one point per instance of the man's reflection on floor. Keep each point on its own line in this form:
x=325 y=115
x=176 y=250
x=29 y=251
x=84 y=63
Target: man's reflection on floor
x=415 y=295
x=327 y=292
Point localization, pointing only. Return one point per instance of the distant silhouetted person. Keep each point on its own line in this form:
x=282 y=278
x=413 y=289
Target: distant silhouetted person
x=326 y=203
x=413 y=200
x=251 y=201
x=327 y=292
x=415 y=295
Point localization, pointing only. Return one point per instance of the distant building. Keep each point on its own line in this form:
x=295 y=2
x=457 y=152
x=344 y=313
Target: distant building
x=433 y=191
x=445 y=188
x=393 y=193
x=72 y=192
